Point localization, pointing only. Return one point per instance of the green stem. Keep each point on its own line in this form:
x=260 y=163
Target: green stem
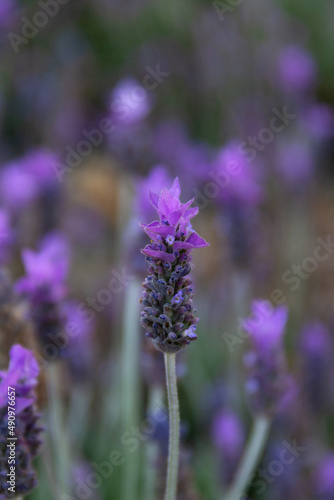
x=130 y=386
x=174 y=428
x=250 y=459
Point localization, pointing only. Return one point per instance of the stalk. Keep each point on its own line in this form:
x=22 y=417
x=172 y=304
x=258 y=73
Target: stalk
x=130 y=386
x=174 y=427
x=250 y=459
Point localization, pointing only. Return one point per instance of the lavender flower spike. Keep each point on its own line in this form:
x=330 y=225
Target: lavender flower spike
x=168 y=314
x=17 y=390
x=267 y=380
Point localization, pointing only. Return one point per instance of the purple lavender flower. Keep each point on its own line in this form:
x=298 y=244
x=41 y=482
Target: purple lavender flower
x=228 y=437
x=319 y=121
x=296 y=69
x=316 y=348
x=26 y=178
x=8 y=10
x=267 y=378
x=324 y=478
x=6 y=236
x=44 y=287
x=130 y=102
x=22 y=377
x=168 y=314
x=78 y=351
x=239 y=178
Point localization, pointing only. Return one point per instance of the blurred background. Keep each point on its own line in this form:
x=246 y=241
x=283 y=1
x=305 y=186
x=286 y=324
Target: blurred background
x=103 y=100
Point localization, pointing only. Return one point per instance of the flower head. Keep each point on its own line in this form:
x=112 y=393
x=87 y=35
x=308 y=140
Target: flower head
x=44 y=287
x=267 y=379
x=296 y=69
x=174 y=222
x=22 y=373
x=168 y=311
x=238 y=178
x=130 y=102
x=19 y=381
x=266 y=325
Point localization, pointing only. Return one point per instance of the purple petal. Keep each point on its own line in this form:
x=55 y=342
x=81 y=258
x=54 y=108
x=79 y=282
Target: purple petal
x=158 y=254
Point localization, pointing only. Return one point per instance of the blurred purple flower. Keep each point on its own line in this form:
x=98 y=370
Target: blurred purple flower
x=26 y=178
x=319 y=121
x=22 y=374
x=266 y=325
x=78 y=351
x=316 y=348
x=228 y=437
x=22 y=378
x=239 y=179
x=46 y=268
x=267 y=381
x=296 y=69
x=8 y=9
x=130 y=102
x=6 y=236
x=228 y=433
x=296 y=163
x=324 y=478
x=38 y=162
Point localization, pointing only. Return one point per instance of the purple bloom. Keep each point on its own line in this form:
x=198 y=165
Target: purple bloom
x=8 y=10
x=266 y=325
x=167 y=298
x=130 y=102
x=319 y=121
x=228 y=438
x=22 y=377
x=238 y=179
x=316 y=349
x=324 y=478
x=296 y=69
x=26 y=178
x=267 y=380
x=6 y=235
x=44 y=287
x=174 y=222
x=47 y=268
x=22 y=374
x=78 y=351
x=228 y=433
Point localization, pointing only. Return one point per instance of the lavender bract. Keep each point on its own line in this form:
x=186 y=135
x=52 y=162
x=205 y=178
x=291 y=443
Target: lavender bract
x=22 y=377
x=168 y=314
